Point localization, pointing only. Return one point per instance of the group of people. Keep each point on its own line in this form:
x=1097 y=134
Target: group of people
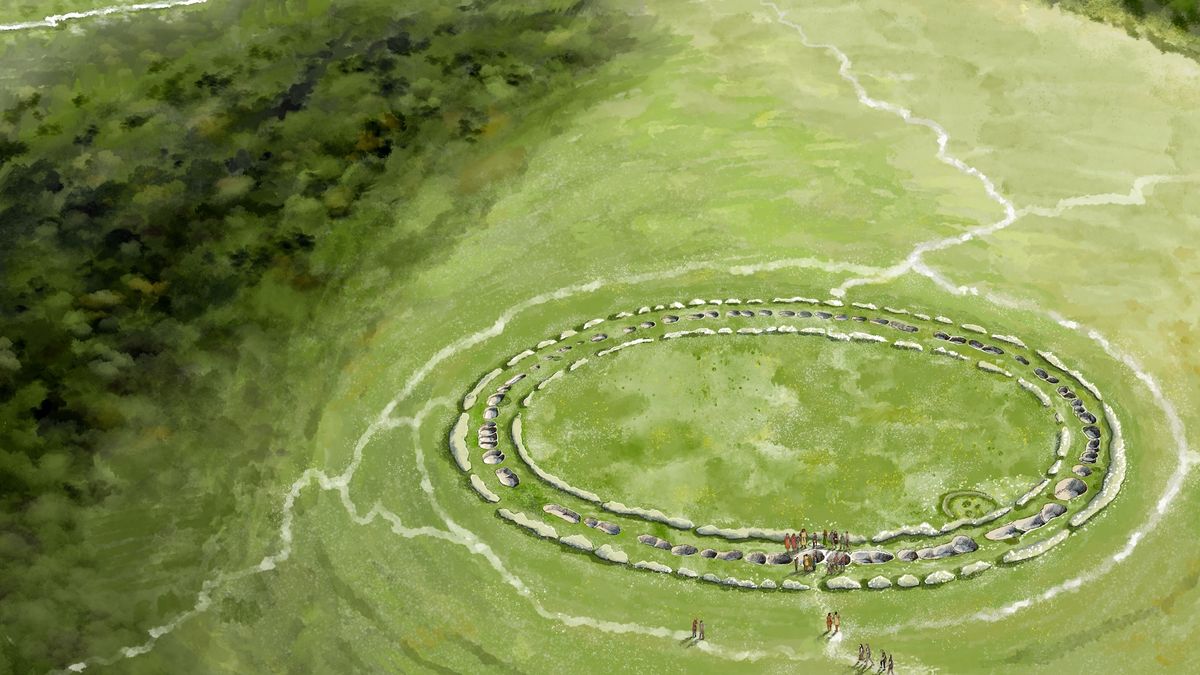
x=697 y=629
x=838 y=541
x=886 y=663
x=833 y=623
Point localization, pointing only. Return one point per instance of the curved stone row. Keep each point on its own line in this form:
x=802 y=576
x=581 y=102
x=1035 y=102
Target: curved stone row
x=487 y=438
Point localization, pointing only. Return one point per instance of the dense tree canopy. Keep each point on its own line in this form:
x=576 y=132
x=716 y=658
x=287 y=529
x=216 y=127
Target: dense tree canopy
x=153 y=174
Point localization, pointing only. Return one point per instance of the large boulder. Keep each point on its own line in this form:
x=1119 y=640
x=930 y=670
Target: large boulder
x=964 y=544
x=562 y=512
x=779 y=559
x=708 y=553
x=604 y=526
x=577 y=541
x=1081 y=470
x=730 y=555
x=975 y=568
x=879 y=583
x=757 y=558
x=871 y=557
x=842 y=584
x=507 y=477
x=939 y=577
x=611 y=554
x=906 y=554
x=791 y=585
x=683 y=549
x=1069 y=488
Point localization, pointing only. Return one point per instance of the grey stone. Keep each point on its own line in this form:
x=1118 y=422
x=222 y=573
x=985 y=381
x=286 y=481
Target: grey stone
x=683 y=549
x=507 y=477
x=1069 y=488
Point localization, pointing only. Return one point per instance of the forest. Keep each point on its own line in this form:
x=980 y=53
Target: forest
x=155 y=186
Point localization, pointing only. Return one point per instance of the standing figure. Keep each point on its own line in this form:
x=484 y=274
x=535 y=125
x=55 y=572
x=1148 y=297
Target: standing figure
x=882 y=662
x=860 y=654
x=870 y=662
x=693 y=629
x=701 y=629
x=828 y=621
x=837 y=623
x=824 y=537
x=891 y=665
x=804 y=537
x=834 y=537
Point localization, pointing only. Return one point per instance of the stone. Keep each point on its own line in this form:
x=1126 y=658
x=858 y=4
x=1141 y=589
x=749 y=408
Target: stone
x=792 y=585
x=578 y=541
x=562 y=512
x=607 y=552
x=708 y=553
x=606 y=527
x=1081 y=470
x=879 y=583
x=507 y=477
x=599 y=336
x=1087 y=417
x=779 y=559
x=842 y=584
x=685 y=572
x=906 y=554
x=871 y=557
x=653 y=567
x=493 y=456
x=907 y=581
x=757 y=558
x=491 y=413
x=964 y=544
x=683 y=549
x=768 y=584
x=939 y=577
x=975 y=568
x=1069 y=488
x=730 y=555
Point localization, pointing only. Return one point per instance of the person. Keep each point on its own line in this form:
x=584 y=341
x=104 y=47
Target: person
x=804 y=536
x=869 y=661
x=860 y=654
x=891 y=666
x=701 y=629
x=837 y=623
x=834 y=537
x=828 y=621
x=693 y=629
x=882 y=662
x=824 y=537
x=796 y=562
x=846 y=539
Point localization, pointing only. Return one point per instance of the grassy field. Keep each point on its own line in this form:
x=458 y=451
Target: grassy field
x=777 y=433
x=716 y=157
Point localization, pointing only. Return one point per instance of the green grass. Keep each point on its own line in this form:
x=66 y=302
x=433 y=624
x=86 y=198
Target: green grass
x=780 y=432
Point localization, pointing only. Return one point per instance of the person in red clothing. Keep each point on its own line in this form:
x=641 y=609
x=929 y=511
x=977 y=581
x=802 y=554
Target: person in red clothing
x=828 y=621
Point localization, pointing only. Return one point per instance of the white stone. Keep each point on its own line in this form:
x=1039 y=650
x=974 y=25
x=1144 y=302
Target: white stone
x=842 y=584
x=652 y=566
x=939 y=577
x=612 y=554
x=907 y=581
x=482 y=489
x=790 y=585
x=685 y=572
x=879 y=582
x=975 y=568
